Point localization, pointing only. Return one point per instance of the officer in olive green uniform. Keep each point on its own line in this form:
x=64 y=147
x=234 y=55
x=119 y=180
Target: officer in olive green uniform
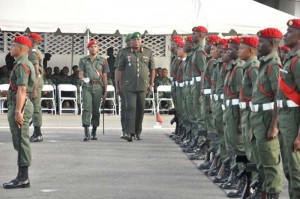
x=191 y=121
x=206 y=108
x=118 y=88
x=179 y=87
x=36 y=58
x=217 y=96
x=288 y=102
x=263 y=116
x=198 y=66
x=164 y=80
x=231 y=115
x=20 y=109
x=135 y=63
x=93 y=71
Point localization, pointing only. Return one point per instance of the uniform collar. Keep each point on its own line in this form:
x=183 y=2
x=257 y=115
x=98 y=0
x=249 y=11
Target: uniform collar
x=198 y=45
x=290 y=55
x=97 y=57
x=249 y=62
x=20 y=59
x=269 y=56
x=141 y=50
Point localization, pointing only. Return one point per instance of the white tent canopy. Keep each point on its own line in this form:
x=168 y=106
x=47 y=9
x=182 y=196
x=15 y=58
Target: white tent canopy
x=155 y=16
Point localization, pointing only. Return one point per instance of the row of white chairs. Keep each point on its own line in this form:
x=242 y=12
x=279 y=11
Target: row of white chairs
x=73 y=89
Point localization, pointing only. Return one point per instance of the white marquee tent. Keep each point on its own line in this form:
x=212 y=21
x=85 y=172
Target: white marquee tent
x=153 y=16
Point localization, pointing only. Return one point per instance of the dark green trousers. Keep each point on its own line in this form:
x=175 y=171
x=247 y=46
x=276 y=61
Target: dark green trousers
x=289 y=121
x=270 y=165
x=123 y=112
x=135 y=103
x=37 y=110
x=24 y=148
x=91 y=98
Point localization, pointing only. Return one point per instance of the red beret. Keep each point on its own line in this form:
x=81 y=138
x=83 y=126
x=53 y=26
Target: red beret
x=223 y=42
x=250 y=41
x=235 y=40
x=175 y=37
x=294 y=23
x=180 y=43
x=189 y=38
x=284 y=48
x=213 y=39
x=23 y=40
x=35 y=36
x=270 y=33
x=92 y=42
x=200 y=29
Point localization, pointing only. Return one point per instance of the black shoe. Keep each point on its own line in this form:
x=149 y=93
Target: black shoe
x=94 y=137
x=37 y=135
x=128 y=138
x=87 y=135
x=205 y=166
x=16 y=183
x=122 y=136
x=138 y=137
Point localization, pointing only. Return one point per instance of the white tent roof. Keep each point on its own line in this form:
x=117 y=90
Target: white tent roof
x=154 y=16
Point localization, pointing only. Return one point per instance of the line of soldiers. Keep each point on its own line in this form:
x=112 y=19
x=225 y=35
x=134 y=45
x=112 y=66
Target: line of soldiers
x=237 y=108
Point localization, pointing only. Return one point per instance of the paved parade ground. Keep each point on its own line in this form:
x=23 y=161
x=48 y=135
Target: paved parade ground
x=63 y=166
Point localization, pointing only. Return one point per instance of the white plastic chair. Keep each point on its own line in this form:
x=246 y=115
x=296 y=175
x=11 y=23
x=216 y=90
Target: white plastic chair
x=110 y=89
x=152 y=100
x=69 y=88
x=3 y=88
x=165 y=89
x=52 y=89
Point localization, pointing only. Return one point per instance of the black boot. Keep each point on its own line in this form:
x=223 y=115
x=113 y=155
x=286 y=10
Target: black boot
x=272 y=195
x=87 y=135
x=128 y=137
x=21 y=181
x=238 y=193
x=37 y=135
x=94 y=137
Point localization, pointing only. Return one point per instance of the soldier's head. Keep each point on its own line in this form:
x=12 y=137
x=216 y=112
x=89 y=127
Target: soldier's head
x=284 y=51
x=159 y=71
x=136 y=40
x=222 y=46
x=248 y=47
x=174 y=41
x=189 y=44
x=35 y=38
x=48 y=71
x=93 y=47
x=65 y=70
x=110 y=51
x=180 y=49
x=47 y=56
x=56 y=70
x=225 y=57
x=199 y=34
x=20 y=46
x=127 y=39
x=74 y=68
x=164 y=72
x=214 y=51
x=292 y=36
x=233 y=47
x=209 y=41
x=269 y=40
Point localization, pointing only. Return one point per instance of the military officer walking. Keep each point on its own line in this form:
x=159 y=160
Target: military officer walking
x=36 y=57
x=135 y=63
x=20 y=109
x=93 y=71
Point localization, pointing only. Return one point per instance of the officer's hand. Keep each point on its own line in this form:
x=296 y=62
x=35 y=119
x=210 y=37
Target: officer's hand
x=104 y=95
x=33 y=94
x=272 y=133
x=150 y=88
x=19 y=118
x=297 y=144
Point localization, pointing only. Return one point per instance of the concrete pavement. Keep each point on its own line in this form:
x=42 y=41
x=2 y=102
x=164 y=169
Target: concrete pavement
x=63 y=166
